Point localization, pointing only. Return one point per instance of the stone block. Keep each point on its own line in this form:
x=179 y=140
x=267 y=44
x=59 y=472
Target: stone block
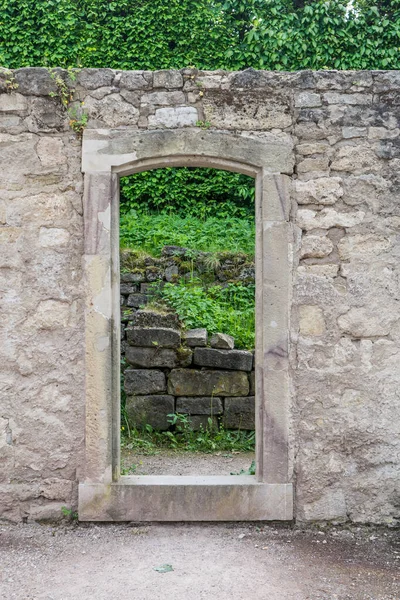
x=326 y=190
x=195 y=337
x=154 y=337
x=352 y=99
x=164 y=98
x=13 y=103
x=35 y=81
x=307 y=100
x=311 y=320
x=237 y=360
x=167 y=79
x=327 y=218
x=148 y=318
x=200 y=405
x=128 y=288
x=149 y=358
x=190 y=382
x=182 y=116
x=137 y=300
x=95 y=78
x=239 y=413
x=171 y=272
x=135 y=80
x=315 y=246
x=50 y=237
x=150 y=410
x=361 y=322
x=144 y=381
x=222 y=341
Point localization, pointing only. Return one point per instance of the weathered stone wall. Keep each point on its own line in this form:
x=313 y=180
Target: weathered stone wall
x=345 y=327
x=169 y=370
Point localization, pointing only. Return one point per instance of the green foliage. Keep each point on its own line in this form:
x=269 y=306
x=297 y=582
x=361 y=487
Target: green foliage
x=183 y=438
x=151 y=232
x=69 y=514
x=189 y=191
x=209 y=34
x=228 y=309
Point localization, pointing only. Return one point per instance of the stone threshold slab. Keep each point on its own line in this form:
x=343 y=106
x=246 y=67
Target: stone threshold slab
x=186 y=498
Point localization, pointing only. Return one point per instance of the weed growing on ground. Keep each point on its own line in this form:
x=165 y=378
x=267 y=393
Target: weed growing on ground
x=183 y=438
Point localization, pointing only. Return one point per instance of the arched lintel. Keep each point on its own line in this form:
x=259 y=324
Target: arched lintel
x=186 y=161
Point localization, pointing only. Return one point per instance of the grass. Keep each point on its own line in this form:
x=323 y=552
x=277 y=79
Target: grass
x=151 y=232
x=183 y=438
x=229 y=309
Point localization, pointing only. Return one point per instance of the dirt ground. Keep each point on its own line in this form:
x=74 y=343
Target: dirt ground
x=225 y=562
x=170 y=462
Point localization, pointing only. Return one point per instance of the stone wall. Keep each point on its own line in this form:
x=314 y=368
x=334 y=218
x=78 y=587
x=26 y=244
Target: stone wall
x=343 y=130
x=185 y=372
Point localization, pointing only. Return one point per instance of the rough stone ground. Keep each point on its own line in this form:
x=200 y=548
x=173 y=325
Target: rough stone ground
x=169 y=462
x=228 y=562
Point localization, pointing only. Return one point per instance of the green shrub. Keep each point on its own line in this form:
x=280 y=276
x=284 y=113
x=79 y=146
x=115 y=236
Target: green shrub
x=151 y=232
x=189 y=192
x=228 y=309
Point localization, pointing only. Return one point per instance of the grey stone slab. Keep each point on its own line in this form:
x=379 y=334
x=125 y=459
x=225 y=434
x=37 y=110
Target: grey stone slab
x=150 y=410
x=92 y=79
x=148 y=318
x=158 y=357
x=137 y=300
x=153 y=337
x=195 y=337
x=222 y=341
x=237 y=360
x=36 y=81
x=186 y=498
x=191 y=382
x=200 y=405
x=144 y=381
x=128 y=288
x=239 y=413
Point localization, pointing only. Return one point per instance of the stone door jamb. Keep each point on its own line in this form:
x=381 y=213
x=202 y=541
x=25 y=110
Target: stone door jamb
x=104 y=494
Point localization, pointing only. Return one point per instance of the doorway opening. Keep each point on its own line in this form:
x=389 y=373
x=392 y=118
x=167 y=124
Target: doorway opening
x=187 y=240
x=104 y=493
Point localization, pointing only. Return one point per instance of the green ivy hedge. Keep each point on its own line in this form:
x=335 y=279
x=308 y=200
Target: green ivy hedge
x=209 y=34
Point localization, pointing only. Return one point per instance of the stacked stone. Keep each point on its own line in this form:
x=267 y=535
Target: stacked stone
x=173 y=371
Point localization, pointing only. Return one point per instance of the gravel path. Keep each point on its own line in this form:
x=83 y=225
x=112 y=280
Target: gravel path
x=170 y=462
x=226 y=562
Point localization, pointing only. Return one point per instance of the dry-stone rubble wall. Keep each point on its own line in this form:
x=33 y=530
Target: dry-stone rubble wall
x=343 y=131
x=173 y=371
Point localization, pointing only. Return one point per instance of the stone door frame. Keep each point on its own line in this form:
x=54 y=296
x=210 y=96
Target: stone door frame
x=105 y=495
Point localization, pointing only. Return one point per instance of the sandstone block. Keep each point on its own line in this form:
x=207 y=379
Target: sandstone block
x=143 y=381
x=361 y=322
x=355 y=159
x=149 y=358
x=189 y=382
x=50 y=237
x=150 y=410
x=362 y=246
x=148 y=318
x=223 y=341
x=315 y=246
x=239 y=413
x=199 y=406
x=354 y=132
x=327 y=218
x=381 y=133
x=320 y=163
x=182 y=116
x=326 y=270
x=326 y=190
x=195 y=337
x=311 y=320
x=50 y=151
x=352 y=99
x=153 y=337
x=313 y=148
x=237 y=360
